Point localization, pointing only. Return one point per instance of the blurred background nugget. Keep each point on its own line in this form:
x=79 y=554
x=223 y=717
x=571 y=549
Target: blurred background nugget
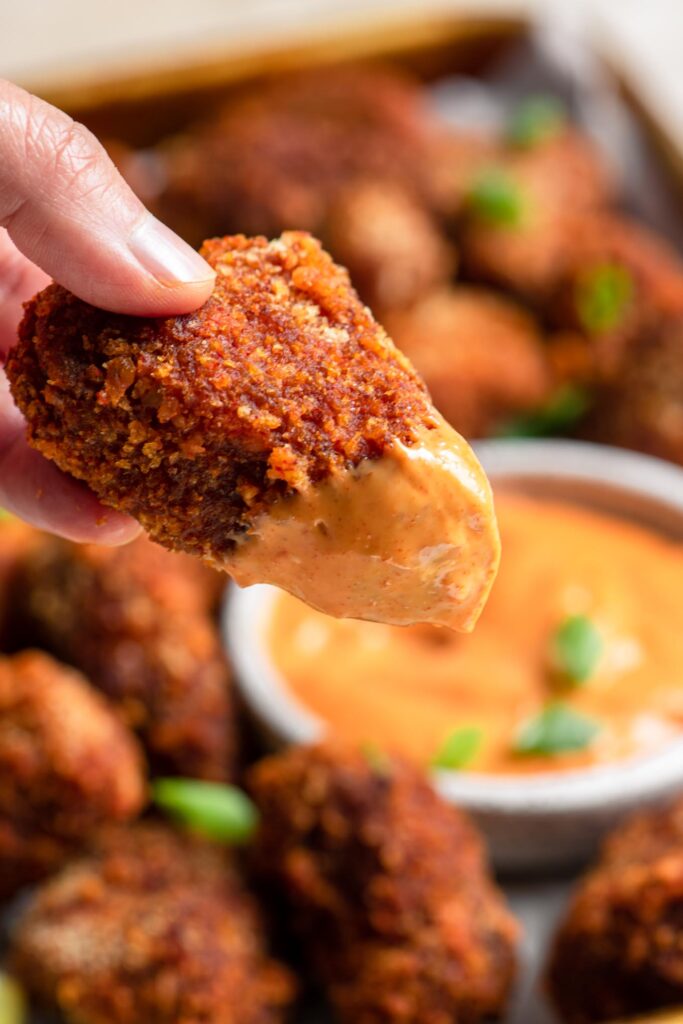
x=481 y=356
x=273 y=158
x=150 y=926
x=517 y=216
x=136 y=621
x=386 y=886
x=619 y=951
x=68 y=766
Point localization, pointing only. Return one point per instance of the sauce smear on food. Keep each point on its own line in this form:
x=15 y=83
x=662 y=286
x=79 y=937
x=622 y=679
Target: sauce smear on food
x=409 y=537
x=577 y=658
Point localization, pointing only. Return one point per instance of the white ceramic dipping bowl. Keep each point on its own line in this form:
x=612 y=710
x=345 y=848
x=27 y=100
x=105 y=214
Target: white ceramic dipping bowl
x=543 y=822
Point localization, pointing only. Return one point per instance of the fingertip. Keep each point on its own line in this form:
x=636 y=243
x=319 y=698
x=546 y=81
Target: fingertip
x=182 y=279
x=114 y=529
x=176 y=299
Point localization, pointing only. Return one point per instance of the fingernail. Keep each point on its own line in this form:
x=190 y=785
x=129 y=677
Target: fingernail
x=164 y=255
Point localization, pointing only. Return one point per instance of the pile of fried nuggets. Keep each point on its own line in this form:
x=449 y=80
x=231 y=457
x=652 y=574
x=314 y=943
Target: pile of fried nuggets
x=379 y=892
x=360 y=880
x=501 y=264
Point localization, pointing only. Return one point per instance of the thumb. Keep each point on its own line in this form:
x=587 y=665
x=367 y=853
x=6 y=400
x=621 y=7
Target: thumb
x=69 y=211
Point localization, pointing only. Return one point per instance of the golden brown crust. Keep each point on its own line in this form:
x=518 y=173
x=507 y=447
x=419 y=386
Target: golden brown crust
x=134 y=620
x=152 y=927
x=619 y=951
x=481 y=356
x=67 y=767
x=387 y=886
x=194 y=424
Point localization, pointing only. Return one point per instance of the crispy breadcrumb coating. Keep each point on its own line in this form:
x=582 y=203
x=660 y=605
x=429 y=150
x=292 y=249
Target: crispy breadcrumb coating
x=272 y=158
x=151 y=927
x=619 y=951
x=481 y=356
x=194 y=424
x=67 y=767
x=134 y=620
x=389 y=243
x=385 y=885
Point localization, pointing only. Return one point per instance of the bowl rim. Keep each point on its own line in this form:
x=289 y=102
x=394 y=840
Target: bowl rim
x=617 y=784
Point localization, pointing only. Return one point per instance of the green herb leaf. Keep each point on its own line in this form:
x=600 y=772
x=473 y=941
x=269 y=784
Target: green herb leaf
x=557 y=730
x=535 y=120
x=218 y=811
x=557 y=416
x=576 y=647
x=4 y=517
x=12 y=1001
x=494 y=198
x=460 y=748
x=603 y=296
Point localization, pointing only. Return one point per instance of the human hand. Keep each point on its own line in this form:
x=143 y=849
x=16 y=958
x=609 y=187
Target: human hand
x=66 y=213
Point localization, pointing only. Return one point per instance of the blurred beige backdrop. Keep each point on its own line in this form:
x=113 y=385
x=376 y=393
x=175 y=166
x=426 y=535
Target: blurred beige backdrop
x=44 y=40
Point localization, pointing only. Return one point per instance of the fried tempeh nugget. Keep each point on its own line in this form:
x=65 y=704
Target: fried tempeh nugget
x=67 y=767
x=619 y=951
x=640 y=406
x=152 y=926
x=275 y=427
x=134 y=620
x=386 y=885
x=520 y=214
x=481 y=356
x=619 y=281
x=272 y=158
x=390 y=244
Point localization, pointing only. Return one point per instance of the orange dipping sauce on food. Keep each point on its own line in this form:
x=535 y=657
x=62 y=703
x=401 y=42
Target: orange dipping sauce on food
x=410 y=689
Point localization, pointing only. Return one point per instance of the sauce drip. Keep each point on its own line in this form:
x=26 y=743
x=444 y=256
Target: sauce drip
x=410 y=537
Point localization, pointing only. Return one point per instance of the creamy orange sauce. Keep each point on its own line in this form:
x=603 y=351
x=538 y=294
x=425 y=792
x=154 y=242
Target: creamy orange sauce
x=408 y=689
x=410 y=537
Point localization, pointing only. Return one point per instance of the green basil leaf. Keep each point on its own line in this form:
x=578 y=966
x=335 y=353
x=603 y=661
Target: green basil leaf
x=218 y=811
x=12 y=1001
x=495 y=198
x=603 y=297
x=558 y=729
x=576 y=647
x=535 y=120
x=460 y=748
x=557 y=416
